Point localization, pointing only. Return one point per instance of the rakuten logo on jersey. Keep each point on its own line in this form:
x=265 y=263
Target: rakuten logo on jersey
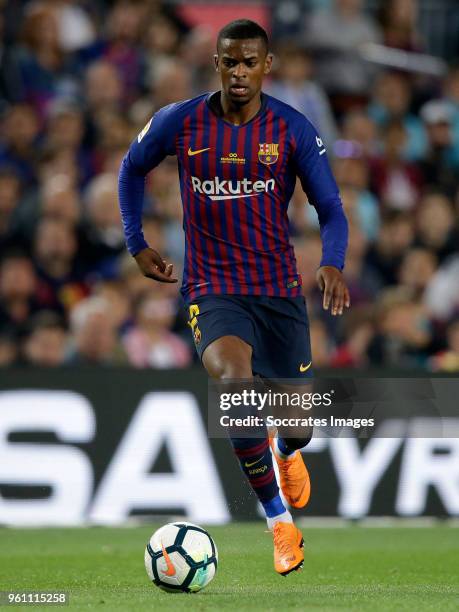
x=223 y=189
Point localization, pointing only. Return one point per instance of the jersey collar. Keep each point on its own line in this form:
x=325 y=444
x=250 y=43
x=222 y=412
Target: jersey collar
x=213 y=104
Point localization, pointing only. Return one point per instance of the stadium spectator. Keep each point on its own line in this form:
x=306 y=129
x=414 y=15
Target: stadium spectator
x=107 y=124
x=392 y=96
x=196 y=49
x=10 y=193
x=57 y=198
x=113 y=134
x=52 y=163
x=436 y=226
x=8 y=348
x=353 y=177
x=442 y=295
x=399 y=21
x=359 y=332
x=162 y=40
x=11 y=83
x=361 y=204
x=103 y=88
x=114 y=293
x=448 y=359
x=172 y=82
x=94 y=339
x=294 y=84
x=308 y=251
x=104 y=233
x=150 y=342
x=60 y=281
x=18 y=285
x=20 y=130
x=134 y=284
x=404 y=332
x=75 y=27
x=163 y=35
x=358 y=127
x=451 y=93
x=417 y=269
x=440 y=163
x=97 y=73
x=65 y=132
x=321 y=343
x=396 y=182
x=301 y=218
x=46 y=340
x=65 y=126
x=60 y=200
x=336 y=37
x=119 y=46
x=362 y=283
x=45 y=68
x=395 y=236
x=154 y=229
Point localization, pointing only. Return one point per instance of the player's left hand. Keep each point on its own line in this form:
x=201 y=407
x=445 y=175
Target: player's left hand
x=332 y=285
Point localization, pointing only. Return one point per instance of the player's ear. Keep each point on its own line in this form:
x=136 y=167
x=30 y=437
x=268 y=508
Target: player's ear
x=216 y=62
x=268 y=63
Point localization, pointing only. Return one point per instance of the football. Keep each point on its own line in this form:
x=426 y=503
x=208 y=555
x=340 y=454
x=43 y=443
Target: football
x=181 y=558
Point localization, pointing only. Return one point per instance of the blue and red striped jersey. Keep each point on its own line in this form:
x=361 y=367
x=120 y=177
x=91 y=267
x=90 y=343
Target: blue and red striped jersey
x=236 y=183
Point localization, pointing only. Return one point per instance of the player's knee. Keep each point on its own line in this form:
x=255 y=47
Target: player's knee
x=231 y=370
x=298 y=443
x=226 y=369
x=228 y=359
x=296 y=439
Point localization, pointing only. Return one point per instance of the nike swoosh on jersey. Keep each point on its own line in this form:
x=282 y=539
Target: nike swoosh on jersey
x=190 y=152
x=303 y=368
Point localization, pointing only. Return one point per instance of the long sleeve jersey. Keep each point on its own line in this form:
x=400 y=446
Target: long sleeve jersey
x=236 y=183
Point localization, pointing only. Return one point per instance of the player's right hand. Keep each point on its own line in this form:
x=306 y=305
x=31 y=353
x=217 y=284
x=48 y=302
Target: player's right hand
x=152 y=265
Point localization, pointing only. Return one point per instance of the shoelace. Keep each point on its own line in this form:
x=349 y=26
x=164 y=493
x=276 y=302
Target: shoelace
x=287 y=465
x=281 y=539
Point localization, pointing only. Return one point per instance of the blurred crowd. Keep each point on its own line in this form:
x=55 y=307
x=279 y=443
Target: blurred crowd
x=79 y=80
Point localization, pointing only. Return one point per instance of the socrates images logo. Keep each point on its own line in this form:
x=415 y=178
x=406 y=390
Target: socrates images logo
x=268 y=153
x=223 y=189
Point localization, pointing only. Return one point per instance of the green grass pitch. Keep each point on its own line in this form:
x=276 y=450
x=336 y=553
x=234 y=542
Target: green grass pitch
x=352 y=568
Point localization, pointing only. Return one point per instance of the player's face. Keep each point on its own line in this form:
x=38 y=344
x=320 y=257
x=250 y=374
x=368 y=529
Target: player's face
x=242 y=65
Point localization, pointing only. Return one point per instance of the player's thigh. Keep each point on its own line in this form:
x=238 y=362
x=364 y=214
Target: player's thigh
x=228 y=357
x=223 y=334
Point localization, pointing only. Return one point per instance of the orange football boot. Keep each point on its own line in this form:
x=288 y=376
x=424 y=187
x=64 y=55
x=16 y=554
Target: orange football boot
x=294 y=478
x=288 y=545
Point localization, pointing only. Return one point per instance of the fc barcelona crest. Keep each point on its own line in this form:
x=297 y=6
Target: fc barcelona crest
x=268 y=153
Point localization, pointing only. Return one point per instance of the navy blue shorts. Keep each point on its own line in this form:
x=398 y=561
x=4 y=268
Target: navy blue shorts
x=277 y=328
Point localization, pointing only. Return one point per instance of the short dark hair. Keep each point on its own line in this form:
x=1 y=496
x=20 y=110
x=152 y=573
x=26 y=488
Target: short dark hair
x=241 y=29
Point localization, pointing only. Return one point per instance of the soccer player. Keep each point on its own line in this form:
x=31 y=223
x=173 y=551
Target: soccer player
x=239 y=152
